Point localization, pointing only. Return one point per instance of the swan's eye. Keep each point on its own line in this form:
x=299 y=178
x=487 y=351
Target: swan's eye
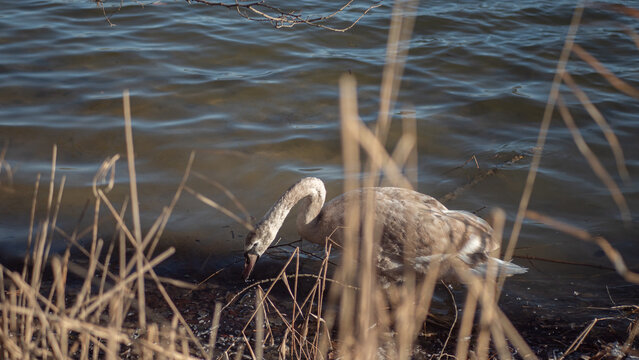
x=250 y=242
x=249 y=238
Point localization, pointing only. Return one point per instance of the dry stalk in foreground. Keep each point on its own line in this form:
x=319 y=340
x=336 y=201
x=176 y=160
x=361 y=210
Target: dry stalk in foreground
x=54 y=318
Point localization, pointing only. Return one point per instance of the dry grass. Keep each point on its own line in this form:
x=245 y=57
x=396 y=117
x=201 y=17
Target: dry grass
x=349 y=315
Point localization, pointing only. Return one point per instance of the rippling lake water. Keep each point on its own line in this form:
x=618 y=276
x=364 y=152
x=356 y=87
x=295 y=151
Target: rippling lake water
x=259 y=106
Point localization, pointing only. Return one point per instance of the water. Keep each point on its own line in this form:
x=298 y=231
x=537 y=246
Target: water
x=259 y=106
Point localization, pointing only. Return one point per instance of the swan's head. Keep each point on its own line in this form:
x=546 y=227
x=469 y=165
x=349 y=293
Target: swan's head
x=255 y=245
x=310 y=191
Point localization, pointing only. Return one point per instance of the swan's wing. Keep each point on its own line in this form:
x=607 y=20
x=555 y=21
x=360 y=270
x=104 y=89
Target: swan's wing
x=413 y=226
x=411 y=221
x=426 y=228
x=412 y=198
x=389 y=202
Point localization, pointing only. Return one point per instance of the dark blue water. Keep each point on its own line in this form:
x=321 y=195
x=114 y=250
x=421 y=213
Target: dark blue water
x=260 y=107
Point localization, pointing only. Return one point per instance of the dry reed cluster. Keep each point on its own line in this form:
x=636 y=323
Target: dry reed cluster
x=347 y=315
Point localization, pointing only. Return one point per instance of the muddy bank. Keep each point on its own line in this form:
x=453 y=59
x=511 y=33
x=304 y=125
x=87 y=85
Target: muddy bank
x=181 y=315
x=597 y=330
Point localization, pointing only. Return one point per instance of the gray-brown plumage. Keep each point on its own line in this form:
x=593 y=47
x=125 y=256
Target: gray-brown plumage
x=407 y=220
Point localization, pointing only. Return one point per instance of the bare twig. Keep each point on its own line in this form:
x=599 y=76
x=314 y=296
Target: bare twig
x=219 y=207
x=452 y=326
x=619 y=84
x=263 y=11
x=613 y=255
x=543 y=132
x=580 y=339
x=228 y=194
x=479 y=177
x=603 y=125
x=595 y=164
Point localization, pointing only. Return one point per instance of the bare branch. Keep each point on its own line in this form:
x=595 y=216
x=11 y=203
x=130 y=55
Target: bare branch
x=594 y=162
x=263 y=11
x=619 y=84
x=603 y=125
x=613 y=255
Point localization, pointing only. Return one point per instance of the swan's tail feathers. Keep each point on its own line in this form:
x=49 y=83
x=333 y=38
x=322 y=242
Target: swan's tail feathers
x=504 y=268
x=478 y=265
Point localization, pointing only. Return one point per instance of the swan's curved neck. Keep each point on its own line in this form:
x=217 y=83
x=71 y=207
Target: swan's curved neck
x=310 y=192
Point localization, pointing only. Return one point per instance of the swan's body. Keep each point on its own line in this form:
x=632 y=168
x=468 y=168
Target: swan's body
x=405 y=218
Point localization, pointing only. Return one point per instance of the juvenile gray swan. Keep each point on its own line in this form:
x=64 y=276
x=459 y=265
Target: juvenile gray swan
x=404 y=217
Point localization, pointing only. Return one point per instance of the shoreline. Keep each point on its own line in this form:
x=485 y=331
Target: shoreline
x=549 y=333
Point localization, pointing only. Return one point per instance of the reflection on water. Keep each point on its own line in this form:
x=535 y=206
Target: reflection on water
x=260 y=108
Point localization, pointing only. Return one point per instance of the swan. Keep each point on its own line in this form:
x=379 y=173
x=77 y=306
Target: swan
x=404 y=217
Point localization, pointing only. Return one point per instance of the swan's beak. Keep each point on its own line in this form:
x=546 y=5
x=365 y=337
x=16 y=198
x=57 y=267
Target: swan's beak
x=251 y=259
